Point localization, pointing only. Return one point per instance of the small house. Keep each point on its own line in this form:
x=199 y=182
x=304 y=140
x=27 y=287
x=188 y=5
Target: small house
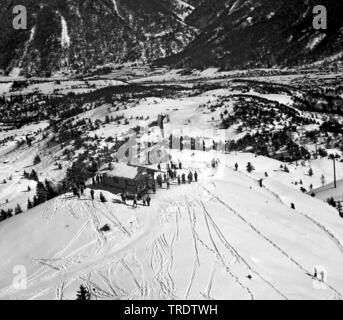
x=128 y=178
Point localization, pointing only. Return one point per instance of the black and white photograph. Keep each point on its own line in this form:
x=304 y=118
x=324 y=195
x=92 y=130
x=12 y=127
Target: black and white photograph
x=171 y=150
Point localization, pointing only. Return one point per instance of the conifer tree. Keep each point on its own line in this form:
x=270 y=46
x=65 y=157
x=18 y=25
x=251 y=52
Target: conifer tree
x=340 y=209
x=18 y=210
x=49 y=189
x=41 y=193
x=102 y=198
x=250 y=167
x=3 y=215
x=36 y=160
x=33 y=175
x=83 y=294
x=29 y=204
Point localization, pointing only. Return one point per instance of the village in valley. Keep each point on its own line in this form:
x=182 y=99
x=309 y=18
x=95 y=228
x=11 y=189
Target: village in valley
x=173 y=185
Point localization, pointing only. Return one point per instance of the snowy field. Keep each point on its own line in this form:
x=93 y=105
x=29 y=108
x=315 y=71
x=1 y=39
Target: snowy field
x=224 y=237
x=56 y=86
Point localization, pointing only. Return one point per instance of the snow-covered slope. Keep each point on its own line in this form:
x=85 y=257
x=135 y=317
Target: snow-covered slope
x=207 y=240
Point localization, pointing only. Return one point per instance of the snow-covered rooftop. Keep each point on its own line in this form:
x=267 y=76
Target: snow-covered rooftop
x=122 y=170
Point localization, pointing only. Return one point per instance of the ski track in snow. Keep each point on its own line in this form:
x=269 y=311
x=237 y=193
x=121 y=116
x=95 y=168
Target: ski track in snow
x=161 y=263
x=60 y=291
x=197 y=260
x=294 y=261
x=235 y=277
x=159 y=245
x=101 y=239
x=236 y=254
x=216 y=252
x=55 y=268
x=114 y=220
x=329 y=233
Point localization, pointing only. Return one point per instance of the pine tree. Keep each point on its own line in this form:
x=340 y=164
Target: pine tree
x=250 y=167
x=83 y=294
x=340 y=209
x=3 y=215
x=33 y=175
x=41 y=193
x=18 y=210
x=29 y=204
x=36 y=160
x=9 y=213
x=49 y=189
x=331 y=201
x=26 y=175
x=102 y=198
x=35 y=202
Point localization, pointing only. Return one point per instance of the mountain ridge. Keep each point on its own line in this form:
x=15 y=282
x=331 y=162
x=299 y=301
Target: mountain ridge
x=95 y=33
x=74 y=36
x=249 y=34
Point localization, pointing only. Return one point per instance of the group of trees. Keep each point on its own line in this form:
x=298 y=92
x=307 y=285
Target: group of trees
x=19 y=109
x=276 y=145
x=269 y=131
x=319 y=100
x=336 y=204
x=44 y=192
x=332 y=126
x=31 y=176
x=6 y=214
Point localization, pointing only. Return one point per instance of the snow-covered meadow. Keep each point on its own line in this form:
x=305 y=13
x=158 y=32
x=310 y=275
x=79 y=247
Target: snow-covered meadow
x=223 y=237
